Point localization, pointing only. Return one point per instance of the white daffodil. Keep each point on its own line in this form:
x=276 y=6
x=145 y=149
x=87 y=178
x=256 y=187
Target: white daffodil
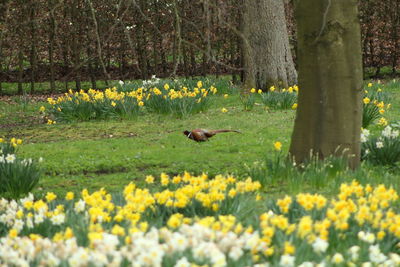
x=395 y=134
x=307 y=264
x=320 y=245
x=58 y=219
x=354 y=252
x=387 y=132
x=379 y=144
x=235 y=253
x=10 y=158
x=182 y=262
x=337 y=258
x=79 y=206
x=287 y=260
x=364 y=135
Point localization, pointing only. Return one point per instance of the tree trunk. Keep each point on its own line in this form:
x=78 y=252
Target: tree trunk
x=4 y=7
x=176 y=50
x=98 y=42
x=76 y=46
x=65 y=47
x=193 y=65
x=395 y=35
x=155 y=39
x=52 y=35
x=33 y=56
x=329 y=114
x=20 y=70
x=207 y=40
x=266 y=52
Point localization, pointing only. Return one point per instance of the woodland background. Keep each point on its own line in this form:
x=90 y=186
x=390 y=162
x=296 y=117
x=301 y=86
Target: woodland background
x=91 y=40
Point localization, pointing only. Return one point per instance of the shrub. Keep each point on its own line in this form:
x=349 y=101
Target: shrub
x=222 y=83
x=358 y=225
x=9 y=147
x=382 y=150
x=248 y=100
x=284 y=99
x=374 y=105
x=180 y=102
x=375 y=92
x=370 y=113
x=279 y=169
x=17 y=176
x=94 y=104
x=112 y=103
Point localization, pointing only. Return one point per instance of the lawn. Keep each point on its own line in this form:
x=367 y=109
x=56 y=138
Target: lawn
x=283 y=215
x=110 y=153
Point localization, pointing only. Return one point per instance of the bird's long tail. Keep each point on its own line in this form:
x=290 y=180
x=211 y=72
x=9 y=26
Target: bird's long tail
x=224 y=131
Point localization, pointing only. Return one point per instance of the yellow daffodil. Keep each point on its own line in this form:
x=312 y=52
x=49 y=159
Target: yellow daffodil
x=278 y=146
x=13 y=233
x=69 y=196
x=149 y=179
x=382 y=121
x=50 y=196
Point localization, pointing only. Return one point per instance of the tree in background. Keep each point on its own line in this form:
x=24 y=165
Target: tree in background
x=329 y=114
x=91 y=40
x=4 y=6
x=267 y=59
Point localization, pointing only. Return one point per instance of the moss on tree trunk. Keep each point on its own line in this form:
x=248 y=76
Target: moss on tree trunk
x=329 y=113
x=267 y=58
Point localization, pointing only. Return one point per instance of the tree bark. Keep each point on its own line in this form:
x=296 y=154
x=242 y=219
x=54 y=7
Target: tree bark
x=76 y=46
x=329 y=113
x=4 y=8
x=266 y=52
x=20 y=30
x=177 y=40
x=52 y=35
x=98 y=42
x=395 y=35
x=33 y=52
x=20 y=70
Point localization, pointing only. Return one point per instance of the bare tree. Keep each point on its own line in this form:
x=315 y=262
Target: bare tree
x=4 y=7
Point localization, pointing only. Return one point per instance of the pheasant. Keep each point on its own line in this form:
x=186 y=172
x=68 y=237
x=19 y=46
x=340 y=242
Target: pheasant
x=201 y=135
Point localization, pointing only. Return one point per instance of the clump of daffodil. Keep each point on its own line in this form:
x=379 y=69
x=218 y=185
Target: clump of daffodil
x=374 y=106
x=154 y=223
x=92 y=104
x=280 y=98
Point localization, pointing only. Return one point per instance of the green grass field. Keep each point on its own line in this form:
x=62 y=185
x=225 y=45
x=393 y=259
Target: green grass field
x=152 y=213
x=112 y=153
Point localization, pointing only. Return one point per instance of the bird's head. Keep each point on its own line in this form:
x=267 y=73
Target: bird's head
x=186 y=132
